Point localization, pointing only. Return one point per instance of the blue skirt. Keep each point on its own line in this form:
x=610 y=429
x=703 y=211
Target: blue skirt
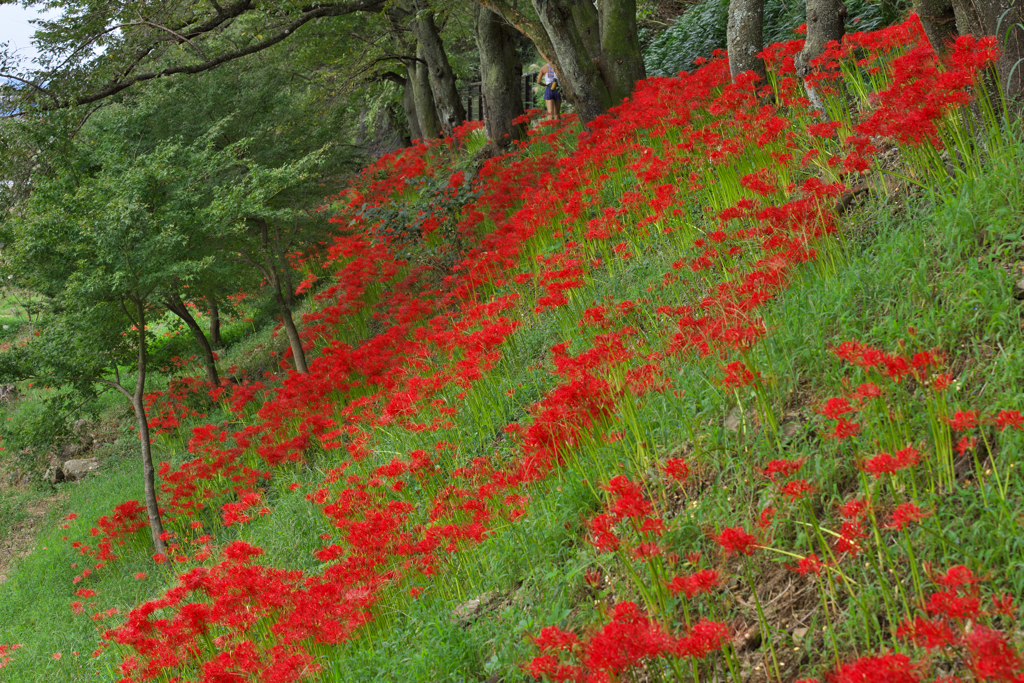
x=550 y=94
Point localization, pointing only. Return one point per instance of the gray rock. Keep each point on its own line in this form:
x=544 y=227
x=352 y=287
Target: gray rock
x=71 y=451
x=77 y=469
x=1018 y=290
x=53 y=474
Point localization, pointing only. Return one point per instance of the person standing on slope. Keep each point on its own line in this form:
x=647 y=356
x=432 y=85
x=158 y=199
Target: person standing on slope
x=552 y=92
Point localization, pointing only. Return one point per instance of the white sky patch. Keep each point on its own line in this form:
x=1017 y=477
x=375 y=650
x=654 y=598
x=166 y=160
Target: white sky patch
x=16 y=30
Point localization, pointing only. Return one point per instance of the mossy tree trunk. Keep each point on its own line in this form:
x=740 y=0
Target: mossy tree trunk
x=621 y=62
x=826 y=21
x=450 y=110
x=939 y=21
x=745 y=37
x=595 y=50
x=501 y=73
x=1005 y=20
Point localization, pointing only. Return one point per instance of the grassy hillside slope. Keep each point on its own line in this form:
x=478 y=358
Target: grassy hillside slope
x=719 y=389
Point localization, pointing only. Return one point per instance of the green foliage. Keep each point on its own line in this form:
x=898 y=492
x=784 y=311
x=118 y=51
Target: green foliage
x=701 y=30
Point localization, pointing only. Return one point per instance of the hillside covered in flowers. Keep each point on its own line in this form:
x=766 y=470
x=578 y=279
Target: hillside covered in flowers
x=723 y=387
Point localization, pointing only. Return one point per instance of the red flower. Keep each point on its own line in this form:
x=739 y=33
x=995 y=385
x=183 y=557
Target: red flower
x=927 y=633
x=783 y=468
x=808 y=565
x=677 y=469
x=1009 y=418
x=992 y=658
x=736 y=541
x=845 y=429
x=554 y=638
x=890 y=668
x=905 y=514
x=963 y=420
x=798 y=488
x=737 y=375
x=703 y=581
x=835 y=407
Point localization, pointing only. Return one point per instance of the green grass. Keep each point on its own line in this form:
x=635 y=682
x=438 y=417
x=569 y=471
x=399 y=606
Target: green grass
x=938 y=262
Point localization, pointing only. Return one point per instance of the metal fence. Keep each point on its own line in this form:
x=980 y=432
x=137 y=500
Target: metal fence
x=472 y=95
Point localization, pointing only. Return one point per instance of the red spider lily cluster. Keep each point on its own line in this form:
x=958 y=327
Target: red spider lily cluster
x=410 y=349
x=6 y=653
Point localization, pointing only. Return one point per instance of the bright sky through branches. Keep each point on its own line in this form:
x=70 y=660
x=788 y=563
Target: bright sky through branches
x=16 y=30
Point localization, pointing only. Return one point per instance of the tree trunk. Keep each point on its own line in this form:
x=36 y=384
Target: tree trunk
x=409 y=105
x=621 y=62
x=294 y=341
x=442 y=78
x=1004 y=19
x=595 y=52
x=579 y=75
x=744 y=37
x=423 y=97
x=939 y=21
x=214 y=312
x=826 y=21
x=156 y=527
x=176 y=306
x=500 y=74
x=285 y=310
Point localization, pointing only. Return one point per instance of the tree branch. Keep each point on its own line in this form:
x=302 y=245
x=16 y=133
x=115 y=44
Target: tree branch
x=31 y=83
x=308 y=14
x=177 y=35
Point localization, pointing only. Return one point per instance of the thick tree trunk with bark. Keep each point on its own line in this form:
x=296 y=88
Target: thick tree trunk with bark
x=176 y=306
x=156 y=526
x=621 y=62
x=1005 y=20
x=442 y=78
x=579 y=74
x=214 y=312
x=409 y=105
x=423 y=96
x=595 y=50
x=939 y=21
x=500 y=73
x=826 y=21
x=744 y=37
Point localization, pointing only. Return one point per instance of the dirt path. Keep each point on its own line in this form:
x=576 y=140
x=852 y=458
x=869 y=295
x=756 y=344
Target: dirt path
x=17 y=540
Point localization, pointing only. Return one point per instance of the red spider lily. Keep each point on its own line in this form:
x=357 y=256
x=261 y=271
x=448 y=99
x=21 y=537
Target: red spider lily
x=627 y=498
x=927 y=633
x=677 y=469
x=1009 y=418
x=963 y=420
x=704 y=638
x=892 y=668
x=796 y=489
x=602 y=535
x=844 y=429
x=736 y=541
x=737 y=375
x=883 y=463
x=905 y=514
x=952 y=605
x=966 y=444
x=867 y=391
x=554 y=638
x=956 y=577
x=703 y=581
x=782 y=468
x=808 y=565
x=992 y=658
